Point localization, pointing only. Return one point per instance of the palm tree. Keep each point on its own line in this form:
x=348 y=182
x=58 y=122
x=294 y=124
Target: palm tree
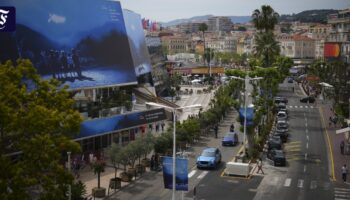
x=265 y=19
x=266 y=47
x=203 y=27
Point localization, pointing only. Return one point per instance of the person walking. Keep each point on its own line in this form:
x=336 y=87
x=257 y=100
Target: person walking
x=260 y=164
x=342 y=144
x=344 y=172
x=232 y=128
x=152 y=162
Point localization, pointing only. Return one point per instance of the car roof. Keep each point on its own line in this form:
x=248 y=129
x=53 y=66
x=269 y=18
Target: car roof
x=284 y=112
x=210 y=149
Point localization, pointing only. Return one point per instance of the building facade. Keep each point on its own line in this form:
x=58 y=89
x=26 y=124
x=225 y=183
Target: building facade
x=220 y=24
x=296 y=46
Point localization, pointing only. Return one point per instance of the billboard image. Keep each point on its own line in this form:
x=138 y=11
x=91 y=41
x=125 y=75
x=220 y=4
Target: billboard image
x=181 y=180
x=82 y=46
x=331 y=50
x=139 y=51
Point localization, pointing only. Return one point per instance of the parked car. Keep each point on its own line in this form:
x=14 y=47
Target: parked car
x=308 y=99
x=282 y=135
x=282 y=124
x=277 y=156
x=209 y=158
x=282 y=115
x=230 y=139
x=274 y=142
x=290 y=79
x=281 y=100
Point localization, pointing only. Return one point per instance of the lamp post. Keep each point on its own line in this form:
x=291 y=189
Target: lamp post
x=69 y=186
x=174 y=136
x=246 y=80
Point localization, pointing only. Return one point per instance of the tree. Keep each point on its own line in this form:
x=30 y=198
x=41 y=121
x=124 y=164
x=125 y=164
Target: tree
x=113 y=154
x=203 y=27
x=266 y=47
x=99 y=167
x=37 y=120
x=265 y=19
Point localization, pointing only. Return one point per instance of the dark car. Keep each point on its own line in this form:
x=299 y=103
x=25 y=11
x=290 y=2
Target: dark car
x=282 y=135
x=282 y=124
x=209 y=158
x=274 y=142
x=277 y=156
x=308 y=99
x=230 y=139
x=281 y=100
x=290 y=79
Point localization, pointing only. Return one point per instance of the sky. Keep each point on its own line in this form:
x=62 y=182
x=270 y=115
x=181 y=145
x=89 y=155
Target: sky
x=167 y=10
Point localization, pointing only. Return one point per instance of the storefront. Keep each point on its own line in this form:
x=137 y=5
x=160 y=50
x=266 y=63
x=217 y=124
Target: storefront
x=98 y=134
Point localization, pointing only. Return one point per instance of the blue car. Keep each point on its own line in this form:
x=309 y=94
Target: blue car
x=209 y=158
x=230 y=139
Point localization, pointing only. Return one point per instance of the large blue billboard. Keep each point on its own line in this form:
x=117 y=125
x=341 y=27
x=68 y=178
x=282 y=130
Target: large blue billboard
x=181 y=175
x=139 y=51
x=82 y=43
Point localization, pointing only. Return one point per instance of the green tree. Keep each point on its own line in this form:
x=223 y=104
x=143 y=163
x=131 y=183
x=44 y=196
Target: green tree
x=266 y=47
x=113 y=154
x=265 y=19
x=37 y=122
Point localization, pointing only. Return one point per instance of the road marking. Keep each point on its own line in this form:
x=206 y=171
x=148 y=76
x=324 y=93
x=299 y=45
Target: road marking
x=290 y=106
x=311 y=107
x=306 y=106
x=304 y=168
x=300 y=106
x=306 y=130
x=305 y=156
x=313 y=185
x=287 y=182
x=253 y=190
x=329 y=144
x=341 y=195
x=300 y=183
x=204 y=173
x=296 y=106
x=305 y=124
x=341 y=192
x=192 y=173
x=307 y=145
x=307 y=137
x=343 y=189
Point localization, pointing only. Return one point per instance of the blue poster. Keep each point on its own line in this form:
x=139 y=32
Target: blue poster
x=82 y=43
x=250 y=116
x=181 y=173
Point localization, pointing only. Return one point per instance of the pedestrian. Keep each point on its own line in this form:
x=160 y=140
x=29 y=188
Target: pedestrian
x=162 y=125
x=232 y=128
x=156 y=162
x=216 y=129
x=260 y=164
x=150 y=126
x=157 y=127
x=344 y=172
x=342 y=144
x=152 y=163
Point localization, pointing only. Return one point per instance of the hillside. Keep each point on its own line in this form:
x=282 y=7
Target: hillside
x=319 y=16
x=234 y=19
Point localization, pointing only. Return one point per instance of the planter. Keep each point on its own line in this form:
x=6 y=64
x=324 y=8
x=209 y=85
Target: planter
x=99 y=192
x=115 y=183
x=132 y=172
x=140 y=169
x=125 y=177
x=146 y=162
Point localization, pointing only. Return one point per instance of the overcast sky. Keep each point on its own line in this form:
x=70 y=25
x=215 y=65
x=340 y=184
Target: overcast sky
x=167 y=10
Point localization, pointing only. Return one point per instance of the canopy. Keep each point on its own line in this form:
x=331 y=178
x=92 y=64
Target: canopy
x=325 y=84
x=196 y=81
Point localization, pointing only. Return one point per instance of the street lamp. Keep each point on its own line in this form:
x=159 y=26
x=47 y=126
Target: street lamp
x=246 y=80
x=174 y=134
x=69 y=168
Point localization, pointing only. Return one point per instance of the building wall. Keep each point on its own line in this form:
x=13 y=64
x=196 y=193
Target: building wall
x=219 y=24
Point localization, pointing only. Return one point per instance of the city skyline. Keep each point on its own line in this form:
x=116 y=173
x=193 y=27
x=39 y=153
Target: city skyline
x=167 y=10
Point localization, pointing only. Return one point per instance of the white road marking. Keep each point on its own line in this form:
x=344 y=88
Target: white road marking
x=204 y=173
x=192 y=173
x=290 y=106
x=342 y=195
x=311 y=107
x=304 y=168
x=296 y=106
x=313 y=185
x=306 y=106
x=307 y=145
x=340 y=192
x=307 y=137
x=340 y=199
x=306 y=124
x=306 y=130
x=343 y=189
x=300 y=183
x=300 y=106
x=287 y=182
x=305 y=156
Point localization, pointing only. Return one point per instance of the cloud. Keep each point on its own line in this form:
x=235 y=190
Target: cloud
x=56 y=19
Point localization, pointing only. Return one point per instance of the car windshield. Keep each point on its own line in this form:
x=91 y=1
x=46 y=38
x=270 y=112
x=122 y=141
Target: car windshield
x=228 y=136
x=208 y=154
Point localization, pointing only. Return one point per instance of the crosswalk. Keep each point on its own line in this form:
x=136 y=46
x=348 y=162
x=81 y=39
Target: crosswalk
x=300 y=183
x=341 y=193
x=301 y=107
x=198 y=174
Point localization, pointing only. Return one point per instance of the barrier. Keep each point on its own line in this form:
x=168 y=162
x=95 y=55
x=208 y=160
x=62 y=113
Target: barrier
x=237 y=169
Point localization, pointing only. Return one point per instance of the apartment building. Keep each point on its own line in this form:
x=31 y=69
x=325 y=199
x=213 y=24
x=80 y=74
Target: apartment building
x=176 y=44
x=296 y=46
x=220 y=24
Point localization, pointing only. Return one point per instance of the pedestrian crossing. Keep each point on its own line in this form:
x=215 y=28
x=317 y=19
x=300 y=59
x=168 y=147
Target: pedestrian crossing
x=341 y=193
x=300 y=183
x=301 y=107
x=198 y=174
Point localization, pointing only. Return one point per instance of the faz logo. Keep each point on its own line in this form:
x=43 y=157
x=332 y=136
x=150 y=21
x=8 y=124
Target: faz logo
x=7 y=19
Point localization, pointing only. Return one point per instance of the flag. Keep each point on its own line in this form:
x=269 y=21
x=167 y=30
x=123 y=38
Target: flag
x=181 y=173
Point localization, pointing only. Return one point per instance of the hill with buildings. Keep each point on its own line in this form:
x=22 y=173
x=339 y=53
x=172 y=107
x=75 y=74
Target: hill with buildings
x=234 y=19
x=316 y=16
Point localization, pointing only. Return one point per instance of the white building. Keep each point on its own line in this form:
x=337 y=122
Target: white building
x=296 y=46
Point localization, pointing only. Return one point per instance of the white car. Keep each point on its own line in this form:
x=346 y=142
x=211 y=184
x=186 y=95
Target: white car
x=282 y=116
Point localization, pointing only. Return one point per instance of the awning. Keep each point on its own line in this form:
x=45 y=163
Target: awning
x=325 y=84
x=344 y=130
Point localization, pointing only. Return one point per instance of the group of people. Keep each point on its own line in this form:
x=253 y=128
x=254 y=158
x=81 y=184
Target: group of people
x=157 y=126
x=60 y=63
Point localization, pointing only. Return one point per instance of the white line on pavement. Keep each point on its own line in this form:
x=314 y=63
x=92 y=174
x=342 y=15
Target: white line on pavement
x=306 y=124
x=311 y=107
x=313 y=185
x=307 y=145
x=344 y=189
x=287 y=182
x=300 y=183
x=306 y=107
x=296 y=106
x=342 y=195
x=202 y=174
x=307 y=137
x=192 y=173
x=304 y=168
x=305 y=156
